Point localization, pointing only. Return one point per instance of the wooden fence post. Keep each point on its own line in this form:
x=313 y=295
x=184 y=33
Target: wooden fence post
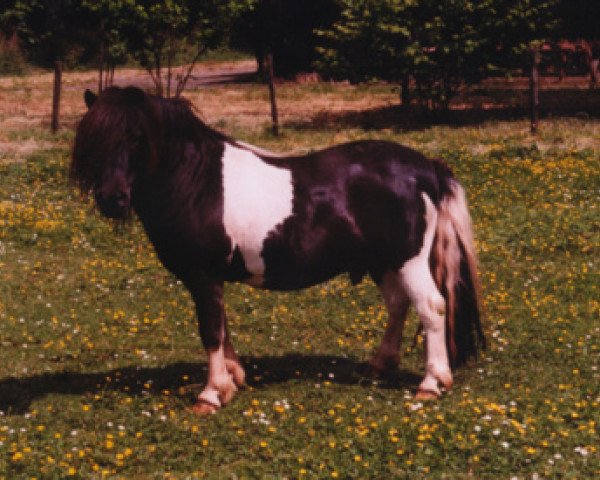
x=274 y=114
x=534 y=87
x=58 y=67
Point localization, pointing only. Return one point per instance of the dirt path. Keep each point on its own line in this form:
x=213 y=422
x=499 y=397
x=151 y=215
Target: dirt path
x=225 y=93
x=25 y=101
x=204 y=74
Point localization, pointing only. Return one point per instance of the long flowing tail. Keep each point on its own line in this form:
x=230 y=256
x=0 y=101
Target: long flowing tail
x=454 y=268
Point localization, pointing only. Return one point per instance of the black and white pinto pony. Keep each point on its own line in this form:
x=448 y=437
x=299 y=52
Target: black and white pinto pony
x=220 y=210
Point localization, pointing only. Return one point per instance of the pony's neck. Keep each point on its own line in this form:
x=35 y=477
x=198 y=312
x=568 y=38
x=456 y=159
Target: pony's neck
x=179 y=119
x=189 y=152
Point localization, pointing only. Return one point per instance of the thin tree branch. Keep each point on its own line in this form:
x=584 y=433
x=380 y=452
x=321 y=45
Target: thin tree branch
x=182 y=81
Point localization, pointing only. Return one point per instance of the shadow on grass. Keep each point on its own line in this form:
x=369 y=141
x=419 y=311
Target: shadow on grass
x=497 y=105
x=17 y=394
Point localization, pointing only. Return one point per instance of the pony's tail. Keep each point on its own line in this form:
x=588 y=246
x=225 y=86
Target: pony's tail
x=454 y=268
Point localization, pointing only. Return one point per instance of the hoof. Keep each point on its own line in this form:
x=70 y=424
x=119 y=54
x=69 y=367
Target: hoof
x=226 y=395
x=437 y=378
x=425 y=394
x=447 y=384
x=237 y=372
x=202 y=408
x=372 y=371
x=239 y=378
x=380 y=368
x=446 y=381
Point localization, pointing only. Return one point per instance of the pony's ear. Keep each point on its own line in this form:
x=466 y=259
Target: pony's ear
x=89 y=97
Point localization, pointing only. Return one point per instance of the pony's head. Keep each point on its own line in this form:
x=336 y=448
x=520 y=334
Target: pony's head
x=115 y=145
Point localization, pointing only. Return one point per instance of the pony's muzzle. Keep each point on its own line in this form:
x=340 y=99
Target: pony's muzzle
x=114 y=205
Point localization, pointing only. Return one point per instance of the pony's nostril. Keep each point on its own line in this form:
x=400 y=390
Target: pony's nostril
x=122 y=199
x=113 y=205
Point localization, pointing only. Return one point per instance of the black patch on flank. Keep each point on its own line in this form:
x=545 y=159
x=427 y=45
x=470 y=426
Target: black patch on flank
x=392 y=225
x=357 y=209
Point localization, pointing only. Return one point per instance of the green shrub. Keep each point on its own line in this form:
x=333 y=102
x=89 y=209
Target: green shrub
x=12 y=60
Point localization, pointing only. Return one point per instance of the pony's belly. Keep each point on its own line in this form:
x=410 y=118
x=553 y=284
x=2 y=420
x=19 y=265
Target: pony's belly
x=280 y=274
x=256 y=281
x=299 y=277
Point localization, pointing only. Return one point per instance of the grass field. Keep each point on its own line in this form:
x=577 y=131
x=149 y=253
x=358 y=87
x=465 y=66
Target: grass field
x=100 y=357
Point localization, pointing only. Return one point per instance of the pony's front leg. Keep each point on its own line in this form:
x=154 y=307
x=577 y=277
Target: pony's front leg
x=224 y=369
x=232 y=362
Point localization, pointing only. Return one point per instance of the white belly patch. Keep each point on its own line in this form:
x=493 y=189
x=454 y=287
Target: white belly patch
x=257 y=197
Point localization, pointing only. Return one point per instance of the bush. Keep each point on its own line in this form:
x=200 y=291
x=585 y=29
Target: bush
x=12 y=60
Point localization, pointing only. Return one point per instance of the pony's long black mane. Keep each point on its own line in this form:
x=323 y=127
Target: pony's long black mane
x=179 y=115
x=128 y=118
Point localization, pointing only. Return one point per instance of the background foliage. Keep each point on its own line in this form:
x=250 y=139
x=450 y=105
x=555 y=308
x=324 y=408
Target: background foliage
x=442 y=45
x=430 y=48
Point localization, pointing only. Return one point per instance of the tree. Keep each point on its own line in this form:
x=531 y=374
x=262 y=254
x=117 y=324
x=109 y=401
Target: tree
x=110 y=19
x=516 y=26
x=454 y=38
x=521 y=29
x=441 y=45
x=162 y=34
x=284 y=28
x=580 y=25
x=371 y=39
x=51 y=32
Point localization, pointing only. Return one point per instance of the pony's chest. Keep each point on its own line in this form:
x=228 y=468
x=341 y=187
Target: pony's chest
x=256 y=198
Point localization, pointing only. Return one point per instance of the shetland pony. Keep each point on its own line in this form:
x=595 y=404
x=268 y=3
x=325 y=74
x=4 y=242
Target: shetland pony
x=219 y=210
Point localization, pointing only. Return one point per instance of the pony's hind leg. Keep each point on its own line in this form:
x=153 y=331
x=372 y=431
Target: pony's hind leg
x=430 y=307
x=386 y=357
x=420 y=287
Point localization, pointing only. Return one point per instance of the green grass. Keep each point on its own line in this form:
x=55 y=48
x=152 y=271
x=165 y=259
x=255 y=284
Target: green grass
x=100 y=357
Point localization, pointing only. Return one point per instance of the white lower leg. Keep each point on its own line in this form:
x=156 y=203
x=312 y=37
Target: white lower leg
x=233 y=365
x=220 y=387
x=437 y=368
x=430 y=306
x=421 y=289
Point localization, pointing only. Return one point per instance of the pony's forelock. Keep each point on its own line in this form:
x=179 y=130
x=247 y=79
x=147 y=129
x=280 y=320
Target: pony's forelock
x=107 y=126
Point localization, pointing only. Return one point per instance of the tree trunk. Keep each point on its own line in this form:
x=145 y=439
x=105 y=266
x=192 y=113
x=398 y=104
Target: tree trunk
x=260 y=59
x=274 y=114
x=58 y=66
x=534 y=88
x=170 y=54
x=102 y=55
x=100 y=71
x=594 y=72
x=158 y=74
x=595 y=63
x=562 y=71
x=405 y=93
